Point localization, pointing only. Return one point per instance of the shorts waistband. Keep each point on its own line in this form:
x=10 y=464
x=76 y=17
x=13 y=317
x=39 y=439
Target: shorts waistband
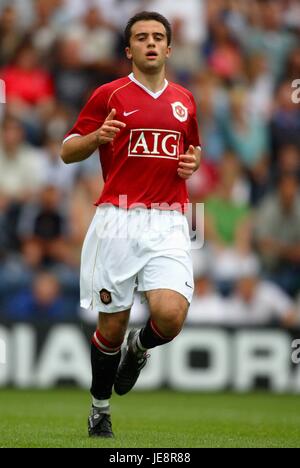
x=142 y=211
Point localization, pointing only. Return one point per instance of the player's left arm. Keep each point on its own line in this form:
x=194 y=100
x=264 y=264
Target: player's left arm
x=189 y=162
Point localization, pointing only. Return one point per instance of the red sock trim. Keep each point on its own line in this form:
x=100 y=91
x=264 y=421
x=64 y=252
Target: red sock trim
x=106 y=342
x=104 y=345
x=158 y=333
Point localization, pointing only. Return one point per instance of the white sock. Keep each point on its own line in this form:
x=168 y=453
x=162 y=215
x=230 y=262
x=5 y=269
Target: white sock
x=101 y=404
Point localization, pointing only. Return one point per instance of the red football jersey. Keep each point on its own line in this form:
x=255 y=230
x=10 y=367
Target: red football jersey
x=141 y=164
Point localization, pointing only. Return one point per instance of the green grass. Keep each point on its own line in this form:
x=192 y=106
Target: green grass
x=57 y=418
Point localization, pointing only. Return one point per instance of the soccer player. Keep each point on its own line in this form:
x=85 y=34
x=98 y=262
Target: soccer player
x=146 y=130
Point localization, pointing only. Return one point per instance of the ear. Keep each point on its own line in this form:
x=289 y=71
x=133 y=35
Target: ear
x=169 y=51
x=128 y=53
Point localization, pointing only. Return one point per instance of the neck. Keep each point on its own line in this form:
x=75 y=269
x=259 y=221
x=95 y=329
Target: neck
x=153 y=82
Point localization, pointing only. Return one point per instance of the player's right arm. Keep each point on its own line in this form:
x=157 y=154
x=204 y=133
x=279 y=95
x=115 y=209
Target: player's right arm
x=80 y=147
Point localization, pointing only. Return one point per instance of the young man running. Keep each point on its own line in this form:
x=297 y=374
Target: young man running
x=146 y=130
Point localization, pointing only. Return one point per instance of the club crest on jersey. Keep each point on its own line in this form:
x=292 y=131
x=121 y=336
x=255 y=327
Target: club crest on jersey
x=180 y=112
x=105 y=296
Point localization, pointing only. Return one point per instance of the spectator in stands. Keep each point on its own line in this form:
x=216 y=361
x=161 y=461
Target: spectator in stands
x=288 y=160
x=58 y=122
x=285 y=123
x=223 y=52
x=55 y=172
x=260 y=181
x=97 y=39
x=11 y=34
x=291 y=14
x=227 y=211
x=20 y=163
x=44 y=223
x=185 y=59
x=18 y=270
x=268 y=36
x=293 y=65
x=228 y=223
x=246 y=134
x=30 y=91
x=277 y=233
x=259 y=302
x=72 y=80
x=207 y=305
x=4 y=237
x=211 y=98
x=191 y=12
x=43 y=302
x=260 y=87
x=44 y=29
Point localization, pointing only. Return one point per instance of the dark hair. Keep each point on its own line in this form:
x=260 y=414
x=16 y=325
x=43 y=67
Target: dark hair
x=147 y=16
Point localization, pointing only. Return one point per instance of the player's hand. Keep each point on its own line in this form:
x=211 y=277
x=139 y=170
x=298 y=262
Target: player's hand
x=188 y=163
x=110 y=129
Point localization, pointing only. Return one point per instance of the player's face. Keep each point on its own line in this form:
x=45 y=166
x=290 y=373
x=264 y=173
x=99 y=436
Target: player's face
x=148 y=46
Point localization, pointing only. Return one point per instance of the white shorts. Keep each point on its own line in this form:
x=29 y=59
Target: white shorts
x=141 y=249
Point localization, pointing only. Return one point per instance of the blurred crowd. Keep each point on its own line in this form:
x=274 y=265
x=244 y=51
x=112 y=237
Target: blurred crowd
x=239 y=58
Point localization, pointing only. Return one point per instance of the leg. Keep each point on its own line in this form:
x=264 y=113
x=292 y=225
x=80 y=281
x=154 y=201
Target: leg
x=168 y=285
x=105 y=358
x=107 y=282
x=105 y=353
x=168 y=310
x=113 y=326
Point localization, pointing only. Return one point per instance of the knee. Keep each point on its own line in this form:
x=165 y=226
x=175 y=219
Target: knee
x=170 y=320
x=113 y=328
x=115 y=334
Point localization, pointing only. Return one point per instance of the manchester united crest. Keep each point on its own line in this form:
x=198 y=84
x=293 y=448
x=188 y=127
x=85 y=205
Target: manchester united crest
x=105 y=296
x=180 y=112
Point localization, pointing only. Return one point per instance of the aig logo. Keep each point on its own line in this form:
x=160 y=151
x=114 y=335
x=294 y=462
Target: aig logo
x=154 y=143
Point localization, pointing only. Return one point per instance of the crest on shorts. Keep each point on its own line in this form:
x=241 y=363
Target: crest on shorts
x=180 y=112
x=105 y=296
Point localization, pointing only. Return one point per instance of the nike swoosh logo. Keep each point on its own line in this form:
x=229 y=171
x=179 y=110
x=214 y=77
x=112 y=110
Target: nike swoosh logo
x=186 y=283
x=126 y=114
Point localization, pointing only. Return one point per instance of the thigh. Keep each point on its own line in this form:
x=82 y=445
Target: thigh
x=171 y=276
x=108 y=266
x=166 y=299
